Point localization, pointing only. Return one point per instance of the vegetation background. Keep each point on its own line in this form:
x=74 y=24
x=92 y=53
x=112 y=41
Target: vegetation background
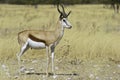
x=91 y=49
x=58 y=1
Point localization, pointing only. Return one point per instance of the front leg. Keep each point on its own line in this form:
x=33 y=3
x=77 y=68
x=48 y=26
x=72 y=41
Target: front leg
x=48 y=60
x=52 y=56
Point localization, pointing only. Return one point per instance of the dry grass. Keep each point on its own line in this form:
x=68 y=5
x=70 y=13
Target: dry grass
x=95 y=33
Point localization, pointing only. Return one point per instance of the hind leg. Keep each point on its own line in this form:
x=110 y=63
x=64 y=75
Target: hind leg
x=23 y=49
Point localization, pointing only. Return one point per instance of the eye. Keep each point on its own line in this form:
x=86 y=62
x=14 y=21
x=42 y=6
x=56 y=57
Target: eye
x=64 y=20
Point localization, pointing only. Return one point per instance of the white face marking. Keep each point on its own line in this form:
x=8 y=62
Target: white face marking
x=65 y=23
x=35 y=45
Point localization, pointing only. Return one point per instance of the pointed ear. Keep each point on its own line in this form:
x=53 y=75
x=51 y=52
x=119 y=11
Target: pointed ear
x=60 y=17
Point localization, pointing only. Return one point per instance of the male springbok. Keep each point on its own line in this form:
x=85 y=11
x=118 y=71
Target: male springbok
x=38 y=39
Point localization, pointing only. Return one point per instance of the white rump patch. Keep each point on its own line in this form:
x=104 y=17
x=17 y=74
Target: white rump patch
x=35 y=45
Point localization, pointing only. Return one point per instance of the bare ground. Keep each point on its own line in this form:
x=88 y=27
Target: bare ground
x=67 y=69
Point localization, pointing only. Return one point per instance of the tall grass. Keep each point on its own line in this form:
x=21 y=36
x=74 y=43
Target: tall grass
x=95 y=32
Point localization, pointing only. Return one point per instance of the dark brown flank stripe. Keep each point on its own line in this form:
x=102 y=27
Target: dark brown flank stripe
x=36 y=39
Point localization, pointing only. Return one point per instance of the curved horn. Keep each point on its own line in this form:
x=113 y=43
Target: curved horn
x=63 y=8
x=68 y=13
x=62 y=13
x=59 y=9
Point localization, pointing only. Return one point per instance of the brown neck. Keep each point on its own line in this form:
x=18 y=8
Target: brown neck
x=59 y=31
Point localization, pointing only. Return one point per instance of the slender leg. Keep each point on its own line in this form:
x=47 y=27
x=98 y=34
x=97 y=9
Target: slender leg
x=52 y=56
x=23 y=49
x=48 y=60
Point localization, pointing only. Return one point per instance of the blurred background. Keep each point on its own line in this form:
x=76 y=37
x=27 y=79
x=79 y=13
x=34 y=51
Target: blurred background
x=90 y=49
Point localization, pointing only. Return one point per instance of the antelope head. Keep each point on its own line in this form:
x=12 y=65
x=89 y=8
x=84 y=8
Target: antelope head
x=63 y=17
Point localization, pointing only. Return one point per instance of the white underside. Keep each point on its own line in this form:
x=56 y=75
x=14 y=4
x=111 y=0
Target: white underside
x=35 y=45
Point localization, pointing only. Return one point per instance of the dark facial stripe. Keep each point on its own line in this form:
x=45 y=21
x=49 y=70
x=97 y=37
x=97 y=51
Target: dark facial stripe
x=65 y=22
x=36 y=39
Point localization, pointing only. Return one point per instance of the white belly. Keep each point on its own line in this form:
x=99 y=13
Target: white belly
x=35 y=45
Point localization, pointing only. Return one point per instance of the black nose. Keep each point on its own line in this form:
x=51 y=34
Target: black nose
x=70 y=27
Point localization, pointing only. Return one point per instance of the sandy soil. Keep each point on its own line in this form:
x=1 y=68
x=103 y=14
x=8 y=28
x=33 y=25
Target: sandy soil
x=66 y=69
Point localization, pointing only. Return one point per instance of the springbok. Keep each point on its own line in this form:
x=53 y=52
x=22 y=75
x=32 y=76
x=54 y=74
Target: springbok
x=39 y=39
